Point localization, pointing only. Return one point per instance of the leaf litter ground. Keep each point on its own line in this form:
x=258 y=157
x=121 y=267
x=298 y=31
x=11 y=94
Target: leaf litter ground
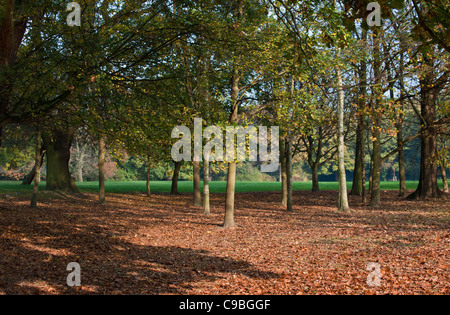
x=163 y=245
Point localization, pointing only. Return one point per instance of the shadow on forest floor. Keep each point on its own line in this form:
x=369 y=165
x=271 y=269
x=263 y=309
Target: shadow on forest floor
x=161 y=244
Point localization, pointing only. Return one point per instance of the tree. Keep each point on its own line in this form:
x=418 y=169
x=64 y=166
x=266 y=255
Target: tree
x=432 y=83
x=430 y=86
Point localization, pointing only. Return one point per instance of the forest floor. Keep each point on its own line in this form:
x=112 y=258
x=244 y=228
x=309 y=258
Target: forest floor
x=163 y=245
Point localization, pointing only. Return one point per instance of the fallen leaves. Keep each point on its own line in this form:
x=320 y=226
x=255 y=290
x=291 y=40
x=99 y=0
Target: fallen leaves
x=162 y=245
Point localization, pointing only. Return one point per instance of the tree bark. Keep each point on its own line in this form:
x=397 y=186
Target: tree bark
x=315 y=177
x=58 y=155
x=288 y=154
x=235 y=79
x=197 y=186
x=343 y=199
x=357 y=186
x=231 y=177
x=148 y=180
x=284 y=187
x=376 y=169
x=363 y=180
x=428 y=185
x=101 y=170
x=37 y=170
x=401 y=162
x=206 y=204
x=31 y=175
x=399 y=126
x=444 y=178
x=175 y=177
x=376 y=128
x=229 y=199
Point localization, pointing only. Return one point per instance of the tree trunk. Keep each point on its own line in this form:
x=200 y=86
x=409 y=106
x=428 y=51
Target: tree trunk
x=370 y=174
x=359 y=159
x=229 y=199
x=197 y=186
x=444 y=178
x=175 y=177
x=428 y=185
x=206 y=205
x=315 y=177
x=148 y=180
x=79 y=161
x=37 y=170
x=376 y=169
x=401 y=164
x=358 y=188
x=58 y=155
x=80 y=173
x=288 y=154
x=231 y=177
x=376 y=128
x=101 y=170
x=399 y=126
x=284 y=187
x=343 y=199
x=31 y=175
x=363 y=181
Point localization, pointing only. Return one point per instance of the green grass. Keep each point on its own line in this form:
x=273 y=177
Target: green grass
x=186 y=187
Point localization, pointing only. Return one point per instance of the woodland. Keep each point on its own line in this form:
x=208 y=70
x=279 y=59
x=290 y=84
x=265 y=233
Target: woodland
x=90 y=92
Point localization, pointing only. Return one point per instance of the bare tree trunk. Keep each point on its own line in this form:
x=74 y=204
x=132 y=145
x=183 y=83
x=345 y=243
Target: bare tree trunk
x=284 y=187
x=229 y=199
x=315 y=177
x=343 y=200
x=58 y=155
x=428 y=186
x=175 y=177
x=37 y=170
x=30 y=177
x=101 y=170
x=206 y=205
x=444 y=178
x=401 y=153
x=376 y=133
x=148 y=179
x=197 y=186
x=363 y=179
x=358 y=188
x=359 y=159
x=231 y=176
x=376 y=170
x=401 y=163
x=80 y=159
x=288 y=154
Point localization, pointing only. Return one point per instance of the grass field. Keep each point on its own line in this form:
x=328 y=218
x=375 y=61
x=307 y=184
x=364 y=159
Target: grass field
x=186 y=186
